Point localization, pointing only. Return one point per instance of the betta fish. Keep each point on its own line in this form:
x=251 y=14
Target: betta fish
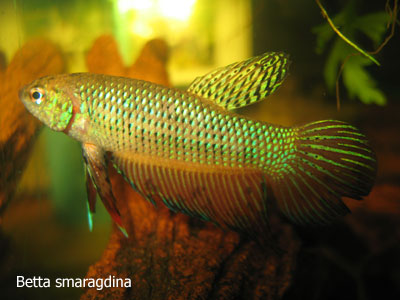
x=190 y=150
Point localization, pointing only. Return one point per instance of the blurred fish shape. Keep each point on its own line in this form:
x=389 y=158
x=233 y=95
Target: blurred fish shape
x=191 y=151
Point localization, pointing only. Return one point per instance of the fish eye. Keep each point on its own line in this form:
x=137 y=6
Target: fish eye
x=37 y=95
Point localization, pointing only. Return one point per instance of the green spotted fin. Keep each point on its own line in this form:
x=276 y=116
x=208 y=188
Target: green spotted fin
x=333 y=160
x=243 y=83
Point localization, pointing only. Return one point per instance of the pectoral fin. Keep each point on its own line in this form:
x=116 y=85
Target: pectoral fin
x=98 y=180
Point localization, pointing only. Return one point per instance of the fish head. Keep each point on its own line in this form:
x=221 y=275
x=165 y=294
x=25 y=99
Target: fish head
x=49 y=99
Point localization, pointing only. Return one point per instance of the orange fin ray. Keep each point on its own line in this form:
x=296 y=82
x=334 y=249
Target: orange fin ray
x=91 y=197
x=230 y=197
x=98 y=180
x=91 y=191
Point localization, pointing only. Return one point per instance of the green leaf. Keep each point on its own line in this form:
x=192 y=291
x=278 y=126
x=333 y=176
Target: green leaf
x=359 y=83
x=373 y=25
x=324 y=34
x=356 y=78
x=339 y=52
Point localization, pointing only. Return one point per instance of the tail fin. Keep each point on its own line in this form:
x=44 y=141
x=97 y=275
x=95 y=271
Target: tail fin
x=332 y=160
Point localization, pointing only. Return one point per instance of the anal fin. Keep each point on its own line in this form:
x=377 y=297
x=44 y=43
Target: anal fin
x=233 y=198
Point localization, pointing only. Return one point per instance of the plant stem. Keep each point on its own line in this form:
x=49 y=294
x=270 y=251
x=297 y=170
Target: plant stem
x=342 y=36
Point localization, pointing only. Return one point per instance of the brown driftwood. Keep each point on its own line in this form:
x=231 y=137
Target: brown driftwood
x=35 y=59
x=172 y=256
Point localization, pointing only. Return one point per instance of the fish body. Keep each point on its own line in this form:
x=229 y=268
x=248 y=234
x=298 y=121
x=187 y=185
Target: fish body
x=127 y=115
x=191 y=150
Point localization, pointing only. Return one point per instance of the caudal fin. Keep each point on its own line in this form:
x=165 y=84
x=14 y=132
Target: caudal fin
x=332 y=160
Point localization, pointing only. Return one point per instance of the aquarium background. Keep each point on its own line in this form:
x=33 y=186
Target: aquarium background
x=43 y=228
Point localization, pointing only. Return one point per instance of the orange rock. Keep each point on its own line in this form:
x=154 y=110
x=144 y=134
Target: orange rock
x=35 y=59
x=104 y=58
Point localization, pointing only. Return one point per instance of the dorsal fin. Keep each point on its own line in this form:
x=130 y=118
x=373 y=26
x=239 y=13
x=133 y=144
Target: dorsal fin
x=243 y=83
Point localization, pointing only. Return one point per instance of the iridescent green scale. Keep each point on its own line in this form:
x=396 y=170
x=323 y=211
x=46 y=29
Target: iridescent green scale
x=148 y=119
